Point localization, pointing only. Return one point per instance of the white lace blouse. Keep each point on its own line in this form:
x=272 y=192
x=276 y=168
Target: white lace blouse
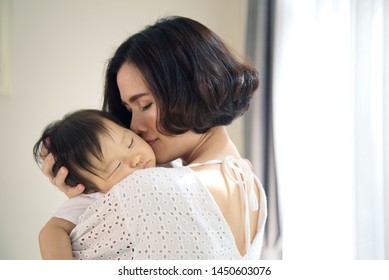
x=166 y=213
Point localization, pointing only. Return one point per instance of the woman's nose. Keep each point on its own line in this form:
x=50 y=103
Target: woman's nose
x=136 y=125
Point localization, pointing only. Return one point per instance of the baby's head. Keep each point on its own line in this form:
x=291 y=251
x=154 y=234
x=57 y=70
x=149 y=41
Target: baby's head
x=96 y=148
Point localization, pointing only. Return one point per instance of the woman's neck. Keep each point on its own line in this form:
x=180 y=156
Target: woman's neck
x=214 y=144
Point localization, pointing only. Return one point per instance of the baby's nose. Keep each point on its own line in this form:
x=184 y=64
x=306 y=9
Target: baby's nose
x=137 y=159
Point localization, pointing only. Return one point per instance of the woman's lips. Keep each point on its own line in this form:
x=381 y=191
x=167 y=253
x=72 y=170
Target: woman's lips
x=151 y=142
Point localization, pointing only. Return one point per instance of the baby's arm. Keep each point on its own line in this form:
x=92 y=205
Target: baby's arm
x=54 y=240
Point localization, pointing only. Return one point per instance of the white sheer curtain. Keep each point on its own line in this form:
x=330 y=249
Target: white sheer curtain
x=371 y=25
x=330 y=85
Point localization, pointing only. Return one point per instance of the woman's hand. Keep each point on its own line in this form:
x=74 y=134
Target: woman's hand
x=59 y=180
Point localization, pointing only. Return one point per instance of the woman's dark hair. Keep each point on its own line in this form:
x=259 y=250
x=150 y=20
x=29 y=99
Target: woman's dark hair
x=196 y=81
x=71 y=141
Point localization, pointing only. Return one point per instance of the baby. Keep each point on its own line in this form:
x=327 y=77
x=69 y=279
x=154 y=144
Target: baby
x=99 y=152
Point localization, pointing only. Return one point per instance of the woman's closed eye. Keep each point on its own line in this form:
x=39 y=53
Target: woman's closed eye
x=145 y=108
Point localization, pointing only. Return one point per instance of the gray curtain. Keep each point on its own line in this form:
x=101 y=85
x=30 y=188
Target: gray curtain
x=259 y=145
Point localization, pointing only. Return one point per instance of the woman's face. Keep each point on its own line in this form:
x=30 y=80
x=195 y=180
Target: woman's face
x=139 y=100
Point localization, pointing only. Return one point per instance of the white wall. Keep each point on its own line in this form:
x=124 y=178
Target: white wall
x=59 y=50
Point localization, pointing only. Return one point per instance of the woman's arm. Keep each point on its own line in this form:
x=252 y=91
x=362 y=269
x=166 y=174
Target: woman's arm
x=54 y=240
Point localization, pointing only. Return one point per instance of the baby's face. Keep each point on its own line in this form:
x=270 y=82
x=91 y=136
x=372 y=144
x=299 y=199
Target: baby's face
x=123 y=153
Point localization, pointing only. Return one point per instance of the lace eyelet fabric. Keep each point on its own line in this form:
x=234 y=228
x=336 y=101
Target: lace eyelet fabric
x=157 y=214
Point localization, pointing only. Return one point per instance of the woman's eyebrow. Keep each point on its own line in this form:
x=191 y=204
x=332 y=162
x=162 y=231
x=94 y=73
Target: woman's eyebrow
x=136 y=97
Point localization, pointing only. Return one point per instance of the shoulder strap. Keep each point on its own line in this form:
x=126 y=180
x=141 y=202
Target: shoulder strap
x=240 y=172
x=245 y=178
x=214 y=161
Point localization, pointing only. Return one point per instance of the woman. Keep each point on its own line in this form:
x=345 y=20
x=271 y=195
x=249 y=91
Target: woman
x=177 y=85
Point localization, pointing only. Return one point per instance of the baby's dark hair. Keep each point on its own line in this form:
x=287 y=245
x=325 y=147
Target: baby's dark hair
x=71 y=140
